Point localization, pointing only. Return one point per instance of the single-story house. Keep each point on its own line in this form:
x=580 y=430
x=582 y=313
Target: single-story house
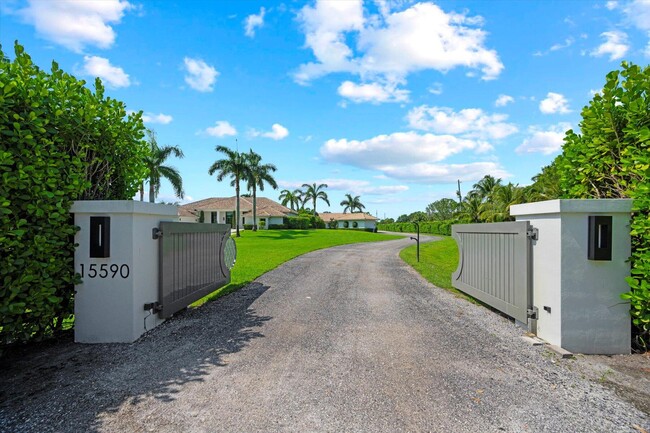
x=223 y=209
x=357 y=220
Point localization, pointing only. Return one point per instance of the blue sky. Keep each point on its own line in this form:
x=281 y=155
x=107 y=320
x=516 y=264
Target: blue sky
x=390 y=100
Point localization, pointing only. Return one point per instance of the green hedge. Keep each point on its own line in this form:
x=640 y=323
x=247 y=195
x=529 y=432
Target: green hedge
x=429 y=227
x=59 y=142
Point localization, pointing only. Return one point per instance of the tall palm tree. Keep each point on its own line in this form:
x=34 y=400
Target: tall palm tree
x=258 y=175
x=472 y=208
x=352 y=204
x=234 y=165
x=292 y=198
x=314 y=193
x=157 y=170
x=486 y=186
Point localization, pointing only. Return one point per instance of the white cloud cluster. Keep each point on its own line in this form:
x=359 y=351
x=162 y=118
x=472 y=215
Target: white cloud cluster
x=200 y=76
x=372 y=92
x=112 y=76
x=222 y=128
x=353 y=186
x=638 y=13
x=615 y=45
x=160 y=118
x=504 y=100
x=277 y=132
x=469 y=122
x=544 y=141
x=75 y=24
x=252 y=22
x=391 y=46
x=554 y=103
x=446 y=173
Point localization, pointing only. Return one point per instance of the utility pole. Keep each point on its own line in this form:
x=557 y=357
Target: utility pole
x=460 y=197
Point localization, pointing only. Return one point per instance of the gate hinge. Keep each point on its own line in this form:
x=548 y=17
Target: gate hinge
x=532 y=233
x=154 y=307
x=532 y=312
x=156 y=233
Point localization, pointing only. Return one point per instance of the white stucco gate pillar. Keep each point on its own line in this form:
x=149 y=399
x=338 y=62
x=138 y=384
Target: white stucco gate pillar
x=117 y=258
x=579 y=266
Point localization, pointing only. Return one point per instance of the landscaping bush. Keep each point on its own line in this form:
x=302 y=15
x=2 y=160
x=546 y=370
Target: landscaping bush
x=277 y=226
x=60 y=142
x=301 y=223
x=432 y=228
x=332 y=224
x=346 y=224
x=355 y=224
x=610 y=158
x=248 y=226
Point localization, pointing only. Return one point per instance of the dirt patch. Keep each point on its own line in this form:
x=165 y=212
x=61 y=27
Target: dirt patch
x=627 y=375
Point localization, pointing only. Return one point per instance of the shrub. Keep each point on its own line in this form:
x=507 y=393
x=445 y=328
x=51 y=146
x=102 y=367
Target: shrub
x=262 y=224
x=332 y=223
x=277 y=226
x=355 y=224
x=248 y=226
x=60 y=142
x=610 y=159
x=346 y=224
x=301 y=223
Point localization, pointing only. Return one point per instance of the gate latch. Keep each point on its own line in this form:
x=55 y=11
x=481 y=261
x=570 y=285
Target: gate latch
x=156 y=233
x=532 y=233
x=154 y=307
x=532 y=312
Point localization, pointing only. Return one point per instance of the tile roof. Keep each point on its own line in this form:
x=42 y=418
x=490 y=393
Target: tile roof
x=357 y=216
x=265 y=207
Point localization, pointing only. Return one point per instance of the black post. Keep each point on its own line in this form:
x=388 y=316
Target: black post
x=417 y=240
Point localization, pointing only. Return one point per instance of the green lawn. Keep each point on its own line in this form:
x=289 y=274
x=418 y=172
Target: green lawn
x=438 y=260
x=259 y=252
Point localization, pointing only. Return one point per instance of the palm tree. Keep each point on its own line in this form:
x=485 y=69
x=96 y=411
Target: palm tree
x=292 y=198
x=352 y=204
x=235 y=166
x=472 y=208
x=157 y=170
x=486 y=186
x=258 y=174
x=314 y=193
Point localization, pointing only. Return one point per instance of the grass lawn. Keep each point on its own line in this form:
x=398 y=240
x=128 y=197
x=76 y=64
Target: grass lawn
x=259 y=252
x=438 y=260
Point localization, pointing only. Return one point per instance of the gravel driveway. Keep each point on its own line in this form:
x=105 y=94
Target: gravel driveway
x=344 y=339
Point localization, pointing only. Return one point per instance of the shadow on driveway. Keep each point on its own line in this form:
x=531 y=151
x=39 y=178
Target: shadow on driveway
x=67 y=387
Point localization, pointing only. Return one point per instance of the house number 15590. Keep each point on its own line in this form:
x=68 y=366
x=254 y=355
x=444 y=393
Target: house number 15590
x=105 y=271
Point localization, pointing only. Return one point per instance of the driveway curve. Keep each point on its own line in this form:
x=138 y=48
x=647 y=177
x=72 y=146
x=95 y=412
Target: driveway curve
x=348 y=339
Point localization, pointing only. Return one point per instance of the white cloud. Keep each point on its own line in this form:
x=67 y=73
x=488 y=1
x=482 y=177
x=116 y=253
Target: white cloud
x=611 y=5
x=222 y=128
x=504 y=100
x=615 y=45
x=75 y=24
x=470 y=122
x=277 y=132
x=161 y=118
x=200 y=76
x=544 y=141
x=393 y=45
x=353 y=186
x=252 y=22
x=445 y=173
x=100 y=67
x=638 y=12
x=435 y=88
x=554 y=103
x=398 y=148
x=372 y=92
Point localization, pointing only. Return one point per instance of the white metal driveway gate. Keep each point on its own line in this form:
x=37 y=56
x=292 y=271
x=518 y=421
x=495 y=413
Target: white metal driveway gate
x=494 y=265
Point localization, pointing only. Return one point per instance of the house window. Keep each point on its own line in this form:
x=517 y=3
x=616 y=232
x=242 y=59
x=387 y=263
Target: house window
x=213 y=217
x=229 y=217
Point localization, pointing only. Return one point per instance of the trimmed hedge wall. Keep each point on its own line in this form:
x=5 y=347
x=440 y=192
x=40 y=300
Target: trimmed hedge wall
x=430 y=227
